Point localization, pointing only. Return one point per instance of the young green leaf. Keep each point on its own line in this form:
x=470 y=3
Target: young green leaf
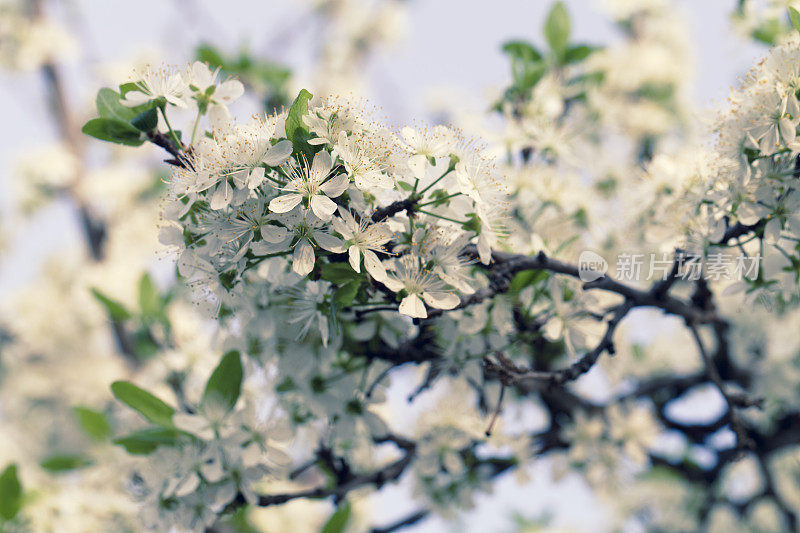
x=113 y=130
x=145 y=441
x=109 y=106
x=338 y=520
x=10 y=493
x=115 y=310
x=294 y=120
x=578 y=53
x=206 y=53
x=521 y=50
x=152 y=408
x=65 y=463
x=225 y=383
x=346 y=293
x=557 y=29
x=768 y=31
x=794 y=15
x=94 y=423
x=146 y=120
x=150 y=301
x=125 y=88
x=339 y=273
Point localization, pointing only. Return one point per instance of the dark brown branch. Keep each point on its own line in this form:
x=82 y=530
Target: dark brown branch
x=513 y=373
x=390 y=472
x=392 y=209
x=409 y=520
x=740 y=230
x=163 y=140
x=743 y=441
x=505 y=265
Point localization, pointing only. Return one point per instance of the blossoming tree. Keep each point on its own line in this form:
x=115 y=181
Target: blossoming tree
x=330 y=252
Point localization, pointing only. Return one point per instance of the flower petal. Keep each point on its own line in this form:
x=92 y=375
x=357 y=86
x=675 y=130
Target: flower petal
x=412 y=306
x=335 y=186
x=134 y=98
x=347 y=216
x=222 y=196
x=278 y=153
x=322 y=206
x=394 y=284
x=329 y=242
x=322 y=165
x=255 y=178
x=218 y=117
x=374 y=265
x=355 y=258
x=772 y=231
x=285 y=203
x=229 y=91
x=303 y=257
x=274 y=234
x=441 y=299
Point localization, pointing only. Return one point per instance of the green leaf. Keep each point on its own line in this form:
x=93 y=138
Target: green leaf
x=346 y=293
x=338 y=520
x=150 y=301
x=65 y=463
x=527 y=74
x=113 y=130
x=473 y=223
x=527 y=67
x=152 y=408
x=338 y=273
x=125 y=88
x=794 y=16
x=10 y=493
x=521 y=50
x=239 y=521
x=144 y=345
x=94 y=423
x=526 y=278
x=146 y=120
x=578 y=53
x=145 y=441
x=109 y=106
x=225 y=383
x=294 y=120
x=115 y=310
x=557 y=29
x=768 y=31
x=206 y=53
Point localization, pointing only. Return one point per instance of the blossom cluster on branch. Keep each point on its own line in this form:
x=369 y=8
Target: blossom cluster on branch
x=344 y=262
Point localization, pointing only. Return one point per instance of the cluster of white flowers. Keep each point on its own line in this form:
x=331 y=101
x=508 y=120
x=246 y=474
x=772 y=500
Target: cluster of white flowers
x=318 y=233
x=647 y=76
x=27 y=43
x=612 y=444
x=755 y=183
x=196 y=85
x=222 y=455
x=444 y=469
x=765 y=21
x=249 y=196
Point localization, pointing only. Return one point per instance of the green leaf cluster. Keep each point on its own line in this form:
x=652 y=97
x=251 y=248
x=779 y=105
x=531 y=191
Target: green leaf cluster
x=118 y=123
x=223 y=388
